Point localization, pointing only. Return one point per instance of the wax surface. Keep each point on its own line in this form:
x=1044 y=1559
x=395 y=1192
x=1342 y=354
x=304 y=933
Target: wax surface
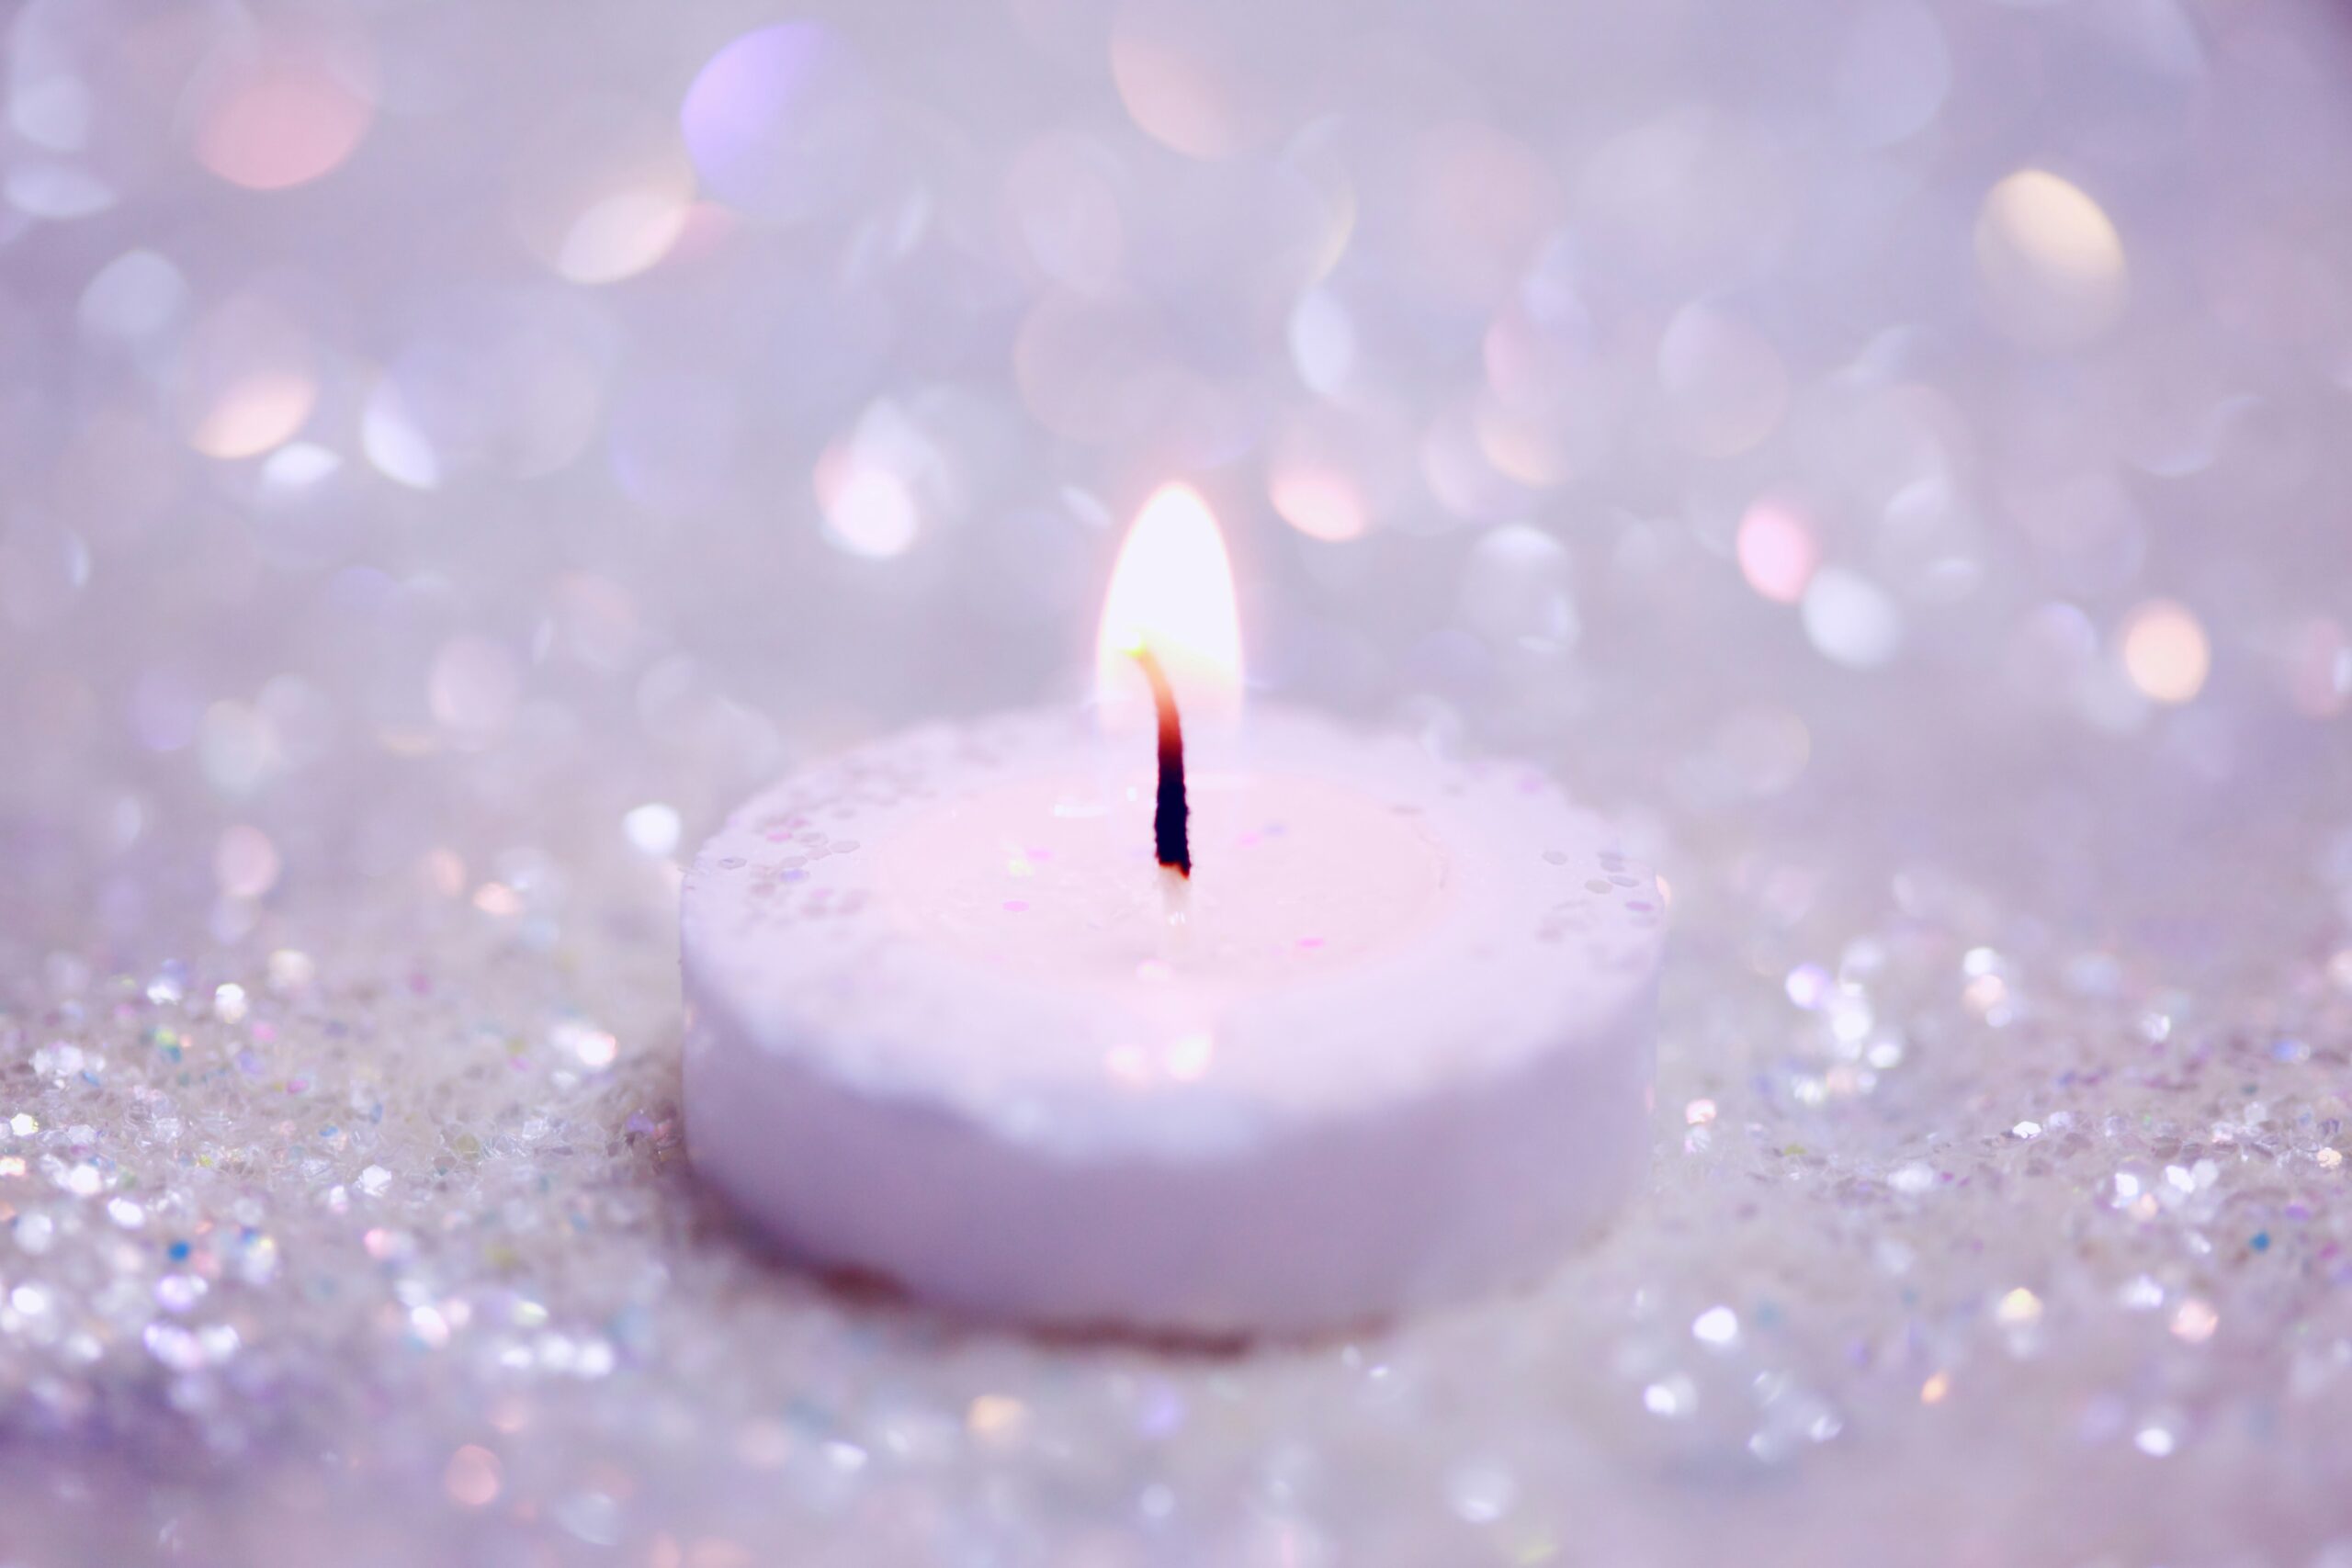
x=1054 y=876
x=951 y=1023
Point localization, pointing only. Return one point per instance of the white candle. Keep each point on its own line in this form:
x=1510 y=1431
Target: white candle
x=951 y=1023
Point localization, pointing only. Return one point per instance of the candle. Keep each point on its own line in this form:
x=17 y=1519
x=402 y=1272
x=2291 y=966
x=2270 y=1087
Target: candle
x=1268 y=1027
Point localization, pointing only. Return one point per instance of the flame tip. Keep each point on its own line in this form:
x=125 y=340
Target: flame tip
x=1171 y=595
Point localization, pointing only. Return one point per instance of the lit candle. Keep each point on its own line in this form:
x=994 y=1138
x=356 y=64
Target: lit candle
x=1267 y=1028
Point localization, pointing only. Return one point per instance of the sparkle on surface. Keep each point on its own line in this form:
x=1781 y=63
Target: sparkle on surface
x=1890 y=453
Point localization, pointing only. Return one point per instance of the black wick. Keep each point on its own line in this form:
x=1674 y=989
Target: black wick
x=1168 y=839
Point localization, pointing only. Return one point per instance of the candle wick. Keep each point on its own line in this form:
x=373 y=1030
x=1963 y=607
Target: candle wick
x=1169 y=839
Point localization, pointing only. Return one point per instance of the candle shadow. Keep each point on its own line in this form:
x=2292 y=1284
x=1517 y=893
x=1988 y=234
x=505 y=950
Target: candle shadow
x=884 y=1298
x=864 y=1290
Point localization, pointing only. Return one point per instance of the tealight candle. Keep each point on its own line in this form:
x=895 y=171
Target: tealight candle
x=1264 y=1028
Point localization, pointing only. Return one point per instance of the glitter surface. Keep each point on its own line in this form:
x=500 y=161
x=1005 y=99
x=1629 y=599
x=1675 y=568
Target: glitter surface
x=1887 y=453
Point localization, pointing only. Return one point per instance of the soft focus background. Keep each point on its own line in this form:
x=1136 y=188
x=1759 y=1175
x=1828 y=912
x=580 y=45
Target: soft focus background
x=1892 y=454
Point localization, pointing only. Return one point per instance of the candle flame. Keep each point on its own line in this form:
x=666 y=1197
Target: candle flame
x=1171 y=592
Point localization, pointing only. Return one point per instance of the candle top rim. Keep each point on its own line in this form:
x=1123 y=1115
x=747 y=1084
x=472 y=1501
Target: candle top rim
x=1547 y=928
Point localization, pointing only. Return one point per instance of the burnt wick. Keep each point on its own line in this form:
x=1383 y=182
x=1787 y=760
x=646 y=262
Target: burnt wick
x=1169 y=839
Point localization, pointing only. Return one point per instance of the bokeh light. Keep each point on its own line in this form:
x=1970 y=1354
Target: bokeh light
x=2319 y=666
x=1094 y=370
x=1322 y=344
x=475 y=685
x=870 y=487
x=1851 y=620
x=1482 y=202
x=1211 y=78
x=1893 y=71
x=1777 y=550
x=779 y=123
x=868 y=510
x=2049 y=260
x=246 y=380
x=270 y=113
x=604 y=194
x=1061 y=198
x=1517 y=591
x=389 y=437
x=1319 y=502
x=1725 y=385
x=134 y=296
x=245 y=863
x=2165 y=651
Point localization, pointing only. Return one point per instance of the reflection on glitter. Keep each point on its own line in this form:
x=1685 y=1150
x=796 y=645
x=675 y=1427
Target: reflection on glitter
x=2193 y=1321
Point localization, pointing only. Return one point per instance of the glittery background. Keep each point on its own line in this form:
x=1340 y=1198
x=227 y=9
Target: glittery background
x=1890 y=453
